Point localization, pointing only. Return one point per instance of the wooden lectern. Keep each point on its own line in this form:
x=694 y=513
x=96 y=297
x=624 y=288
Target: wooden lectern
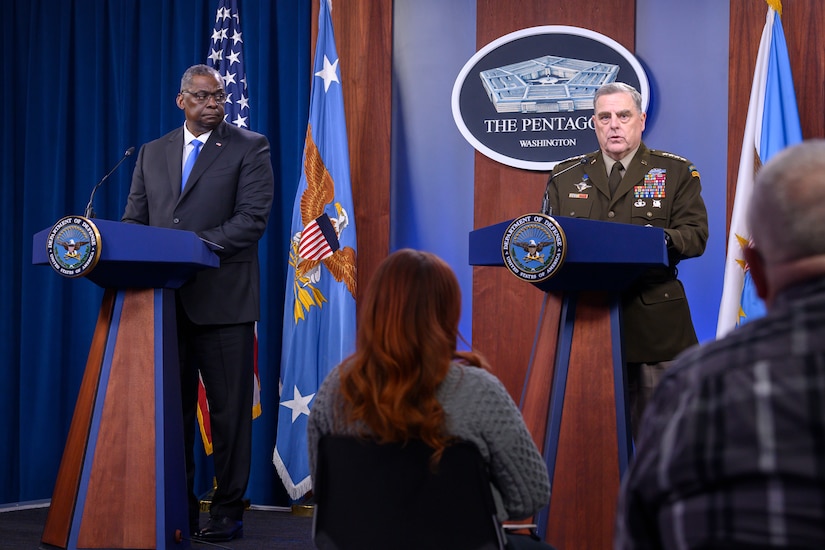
x=574 y=392
x=122 y=478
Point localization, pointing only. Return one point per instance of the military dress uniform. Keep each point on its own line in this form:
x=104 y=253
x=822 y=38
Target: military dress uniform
x=658 y=189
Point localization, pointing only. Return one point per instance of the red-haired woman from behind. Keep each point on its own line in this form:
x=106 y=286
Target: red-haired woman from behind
x=407 y=380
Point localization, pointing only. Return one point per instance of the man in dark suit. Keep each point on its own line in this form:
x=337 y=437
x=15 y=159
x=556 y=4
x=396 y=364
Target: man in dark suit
x=225 y=200
x=626 y=182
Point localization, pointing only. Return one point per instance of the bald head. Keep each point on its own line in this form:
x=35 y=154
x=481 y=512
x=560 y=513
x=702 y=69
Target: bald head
x=787 y=219
x=787 y=211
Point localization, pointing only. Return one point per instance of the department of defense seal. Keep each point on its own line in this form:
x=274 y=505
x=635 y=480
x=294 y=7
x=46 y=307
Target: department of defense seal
x=534 y=247
x=73 y=246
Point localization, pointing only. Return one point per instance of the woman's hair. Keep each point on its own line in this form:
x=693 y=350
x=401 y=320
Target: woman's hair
x=407 y=336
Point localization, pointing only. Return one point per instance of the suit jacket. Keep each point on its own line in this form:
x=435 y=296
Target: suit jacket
x=226 y=201
x=659 y=189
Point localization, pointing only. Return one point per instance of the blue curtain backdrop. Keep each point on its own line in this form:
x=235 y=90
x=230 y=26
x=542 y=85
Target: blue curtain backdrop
x=83 y=81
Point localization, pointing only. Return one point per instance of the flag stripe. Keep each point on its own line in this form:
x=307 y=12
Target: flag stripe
x=314 y=245
x=204 y=421
x=319 y=239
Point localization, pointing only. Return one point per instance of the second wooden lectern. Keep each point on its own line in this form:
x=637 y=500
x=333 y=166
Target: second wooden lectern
x=574 y=392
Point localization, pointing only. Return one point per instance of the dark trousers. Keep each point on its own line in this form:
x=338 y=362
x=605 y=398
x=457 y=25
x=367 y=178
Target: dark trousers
x=642 y=379
x=224 y=357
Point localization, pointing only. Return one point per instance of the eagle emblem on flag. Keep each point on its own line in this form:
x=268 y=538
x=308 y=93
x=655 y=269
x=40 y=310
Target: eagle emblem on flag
x=318 y=243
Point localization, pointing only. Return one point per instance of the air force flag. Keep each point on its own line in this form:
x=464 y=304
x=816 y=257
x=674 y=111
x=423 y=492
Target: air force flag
x=319 y=310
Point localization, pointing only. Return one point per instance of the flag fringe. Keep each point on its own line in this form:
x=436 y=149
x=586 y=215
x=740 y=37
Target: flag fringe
x=294 y=491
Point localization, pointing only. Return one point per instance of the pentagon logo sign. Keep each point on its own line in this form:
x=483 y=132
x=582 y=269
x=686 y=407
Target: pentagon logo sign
x=534 y=247
x=73 y=246
x=526 y=99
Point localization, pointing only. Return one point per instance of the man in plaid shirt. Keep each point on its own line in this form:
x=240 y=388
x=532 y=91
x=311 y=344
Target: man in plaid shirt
x=731 y=452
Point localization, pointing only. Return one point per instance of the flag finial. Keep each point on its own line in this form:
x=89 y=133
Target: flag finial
x=776 y=5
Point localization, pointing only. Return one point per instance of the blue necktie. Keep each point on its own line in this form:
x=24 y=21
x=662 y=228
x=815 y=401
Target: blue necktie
x=190 y=162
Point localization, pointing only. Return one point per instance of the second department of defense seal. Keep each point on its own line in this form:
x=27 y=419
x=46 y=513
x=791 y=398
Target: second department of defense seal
x=534 y=247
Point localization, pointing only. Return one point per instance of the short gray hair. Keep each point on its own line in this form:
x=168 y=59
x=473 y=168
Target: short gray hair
x=787 y=207
x=619 y=88
x=197 y=70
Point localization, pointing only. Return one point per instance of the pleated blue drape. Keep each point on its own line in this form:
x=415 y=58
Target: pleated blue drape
x=83 y=80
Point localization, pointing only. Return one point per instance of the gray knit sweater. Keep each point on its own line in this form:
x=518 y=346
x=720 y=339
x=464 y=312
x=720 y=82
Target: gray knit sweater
x=478 y=409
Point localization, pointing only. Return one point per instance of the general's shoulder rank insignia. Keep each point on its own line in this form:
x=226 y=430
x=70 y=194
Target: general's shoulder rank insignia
x=667 y=155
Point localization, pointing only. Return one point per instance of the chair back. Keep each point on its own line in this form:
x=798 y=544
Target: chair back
x=386 y=496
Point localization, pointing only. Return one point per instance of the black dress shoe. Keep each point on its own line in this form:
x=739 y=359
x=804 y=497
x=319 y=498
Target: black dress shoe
x=220 y=529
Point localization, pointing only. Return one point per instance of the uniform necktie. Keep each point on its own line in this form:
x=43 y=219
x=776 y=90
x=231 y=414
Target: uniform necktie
x=615 y=178
x=190 y=162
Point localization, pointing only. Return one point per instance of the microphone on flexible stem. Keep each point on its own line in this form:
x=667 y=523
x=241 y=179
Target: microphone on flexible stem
x=90 y=212
x=545 y=204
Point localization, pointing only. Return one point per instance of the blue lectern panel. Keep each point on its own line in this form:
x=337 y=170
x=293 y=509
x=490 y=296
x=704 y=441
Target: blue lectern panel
x=140 y=256
x=600 y=255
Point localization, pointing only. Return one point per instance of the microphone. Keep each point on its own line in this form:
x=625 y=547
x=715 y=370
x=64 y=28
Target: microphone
x=545 y=204
x=90 y=212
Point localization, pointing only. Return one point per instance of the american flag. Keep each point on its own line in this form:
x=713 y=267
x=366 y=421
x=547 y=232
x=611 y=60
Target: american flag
x=318 y=239
x=226 y=57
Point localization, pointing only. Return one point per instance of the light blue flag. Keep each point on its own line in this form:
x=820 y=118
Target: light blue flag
x=780 y=129
x=780 y=116
x=319 y=310
x=772 y=125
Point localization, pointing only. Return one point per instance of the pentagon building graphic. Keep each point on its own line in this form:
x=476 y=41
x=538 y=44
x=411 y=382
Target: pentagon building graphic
x=546 y=84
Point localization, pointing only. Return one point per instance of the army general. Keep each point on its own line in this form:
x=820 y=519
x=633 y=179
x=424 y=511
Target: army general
x=626 y=182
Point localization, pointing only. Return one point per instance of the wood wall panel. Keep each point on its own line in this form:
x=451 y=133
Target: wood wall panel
x=505 y=309
x=365 y=28
x=802 y=21
x=746 y=21
x=363 y=36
